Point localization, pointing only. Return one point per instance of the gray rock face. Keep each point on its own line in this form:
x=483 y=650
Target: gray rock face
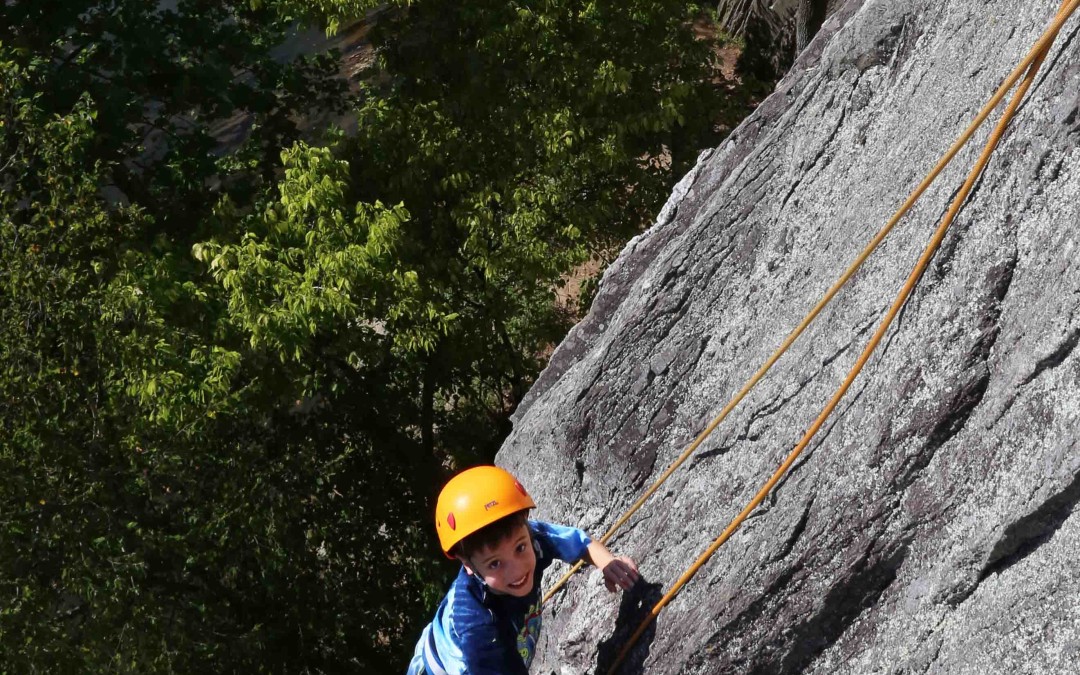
x=809 y=16
x=932 y=525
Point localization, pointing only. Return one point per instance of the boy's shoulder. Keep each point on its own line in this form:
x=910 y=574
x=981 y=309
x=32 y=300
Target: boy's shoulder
x=465 y=605
x=555 y=531
x=465 y=629
x=560 y=541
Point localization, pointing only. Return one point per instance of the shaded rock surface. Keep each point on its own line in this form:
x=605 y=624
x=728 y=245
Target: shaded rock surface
x=736 y=16
x=932 y=525
x=775 y=30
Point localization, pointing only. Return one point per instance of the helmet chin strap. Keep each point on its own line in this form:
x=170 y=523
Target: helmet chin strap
x=471 y=569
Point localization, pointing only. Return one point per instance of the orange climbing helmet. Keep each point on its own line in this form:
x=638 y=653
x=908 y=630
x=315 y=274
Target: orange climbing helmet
x=474 y=499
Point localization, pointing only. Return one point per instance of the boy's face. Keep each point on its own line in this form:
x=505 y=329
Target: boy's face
x=508 y=567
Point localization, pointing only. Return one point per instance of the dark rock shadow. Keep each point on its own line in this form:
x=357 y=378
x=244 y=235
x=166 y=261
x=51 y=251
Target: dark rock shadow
x=635 y=606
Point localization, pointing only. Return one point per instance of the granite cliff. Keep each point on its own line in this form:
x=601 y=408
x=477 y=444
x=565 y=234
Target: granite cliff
x=931 y=527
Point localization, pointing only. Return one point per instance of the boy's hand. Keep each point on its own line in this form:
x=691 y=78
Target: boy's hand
x=620 y=573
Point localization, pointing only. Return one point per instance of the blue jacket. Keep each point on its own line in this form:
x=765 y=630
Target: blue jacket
x=477 y=632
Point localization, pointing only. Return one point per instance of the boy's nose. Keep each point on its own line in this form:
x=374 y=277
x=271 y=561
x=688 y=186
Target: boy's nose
x=517 y=571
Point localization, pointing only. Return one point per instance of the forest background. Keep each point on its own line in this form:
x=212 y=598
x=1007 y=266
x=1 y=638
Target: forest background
x=241 y=348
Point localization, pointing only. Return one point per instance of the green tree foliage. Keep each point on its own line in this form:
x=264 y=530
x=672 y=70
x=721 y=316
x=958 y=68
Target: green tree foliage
x=234 y=365
x=178 y=497
x=524 y=138
x=164 y=81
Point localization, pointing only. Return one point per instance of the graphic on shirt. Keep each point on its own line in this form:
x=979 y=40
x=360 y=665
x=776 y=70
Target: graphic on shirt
x=529 y=634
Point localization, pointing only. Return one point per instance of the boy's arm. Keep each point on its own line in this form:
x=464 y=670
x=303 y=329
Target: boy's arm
x=570 y=544
x=618 y=572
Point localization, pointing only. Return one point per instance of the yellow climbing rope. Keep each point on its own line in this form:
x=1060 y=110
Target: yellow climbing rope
x=1032 y=64
x=1040 y=47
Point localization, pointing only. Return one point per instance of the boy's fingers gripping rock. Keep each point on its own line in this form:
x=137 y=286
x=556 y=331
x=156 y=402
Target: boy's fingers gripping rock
x=620 y=573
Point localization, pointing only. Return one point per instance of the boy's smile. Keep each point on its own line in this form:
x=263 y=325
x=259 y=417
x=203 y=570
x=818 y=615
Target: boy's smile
x=508 y=567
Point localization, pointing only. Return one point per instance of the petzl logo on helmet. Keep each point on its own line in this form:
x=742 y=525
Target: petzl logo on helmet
x=451 y=521
x=487 y=507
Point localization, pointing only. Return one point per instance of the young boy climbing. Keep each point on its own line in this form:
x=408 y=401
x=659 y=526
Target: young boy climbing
x=489 y=620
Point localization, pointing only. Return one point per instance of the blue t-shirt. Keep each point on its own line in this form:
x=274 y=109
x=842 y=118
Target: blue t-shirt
x=477 y=632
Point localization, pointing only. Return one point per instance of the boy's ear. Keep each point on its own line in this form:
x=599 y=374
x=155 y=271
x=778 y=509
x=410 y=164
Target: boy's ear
x=466 y=565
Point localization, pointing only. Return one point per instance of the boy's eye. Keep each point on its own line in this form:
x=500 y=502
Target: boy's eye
x=494 y=564
x=521 y=548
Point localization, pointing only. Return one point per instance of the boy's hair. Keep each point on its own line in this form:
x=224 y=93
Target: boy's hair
x=490 y=535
